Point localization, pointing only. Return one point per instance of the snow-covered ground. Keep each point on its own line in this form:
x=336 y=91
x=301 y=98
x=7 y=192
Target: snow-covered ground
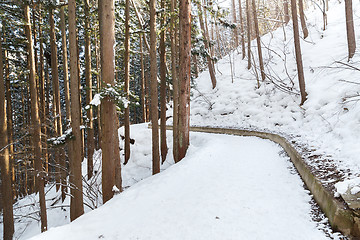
x=26 y=210
x=227 y=187
x=327 y=126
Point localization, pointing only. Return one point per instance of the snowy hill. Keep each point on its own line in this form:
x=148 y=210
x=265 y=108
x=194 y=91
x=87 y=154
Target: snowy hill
x=327 y=127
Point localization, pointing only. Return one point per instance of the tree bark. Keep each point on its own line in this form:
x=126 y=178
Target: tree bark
x=236 y=36
x=184 y=76
x=143 y=89
x=207 y=47
x=76 y=202
x=59 y=155
x=6 y=189
x=286 y=11
x=111 y=167
x=175 y=83
x=66 y=92
x=9 y=115
x=258 y=40
x=248 y=23
x=127 y=80
x=302 y=19
x=350 y=28
x=88 y=79
x=164 y=148
x=153 y=90
x=299 y=63
x=242 y=34
x=35 y=122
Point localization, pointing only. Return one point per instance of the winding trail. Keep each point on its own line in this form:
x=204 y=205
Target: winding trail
x=227 y=187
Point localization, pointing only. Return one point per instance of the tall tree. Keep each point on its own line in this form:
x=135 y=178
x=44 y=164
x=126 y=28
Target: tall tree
x=59 y=157
x=236 y=36
x=184 y=75
x=207 y=47
x=258 y=40
x=302 y=19
x=286 y=11
x=242 y=33
x=88 y=78
x=350 y=28
x=127 y=80
x=6 y=189
x=175 y=82
x=35 y=122
x=76 y=202
x=9 y=115
x=143 y=88
x=299 y=63
x=153 y=90
x=248 y=23
x=66 y=90
x=164 y=148
x=111 y=173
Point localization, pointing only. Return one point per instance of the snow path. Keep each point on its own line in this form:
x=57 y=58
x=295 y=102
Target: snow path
x=228 y=187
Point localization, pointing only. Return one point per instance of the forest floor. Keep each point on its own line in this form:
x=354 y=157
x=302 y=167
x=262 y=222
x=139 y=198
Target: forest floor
x=225 y=188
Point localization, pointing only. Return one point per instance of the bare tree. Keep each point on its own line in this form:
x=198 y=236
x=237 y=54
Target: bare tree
x=258 y=40
x=248 y=23
x=350 y=28
x=299 y=63
x=302 y=19
x=242 y=33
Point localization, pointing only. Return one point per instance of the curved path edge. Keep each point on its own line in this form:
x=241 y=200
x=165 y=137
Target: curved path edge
x=341 y=218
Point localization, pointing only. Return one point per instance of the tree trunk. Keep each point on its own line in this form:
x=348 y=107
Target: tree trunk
x=35 y=123
x=184 y=76
x=286 y=11
x=302 y=19
x=66 y=93
x=127 y=81
x=6 y=189
x=60 y=155
x=109 y=136
x=153 y=90
x=248 y=23
x=42 y=98
x=350 y=28
x=258 y=40
x=88 y=78
x=9 y=114
x=76 y=202
x=236 y=36
x=299 y=63
x=164 y=148
x=207 y=47
x=175 y=83
x=143 y=89
x=242 y=34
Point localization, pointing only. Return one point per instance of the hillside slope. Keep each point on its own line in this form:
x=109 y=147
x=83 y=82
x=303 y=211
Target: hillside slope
x=327 y=127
